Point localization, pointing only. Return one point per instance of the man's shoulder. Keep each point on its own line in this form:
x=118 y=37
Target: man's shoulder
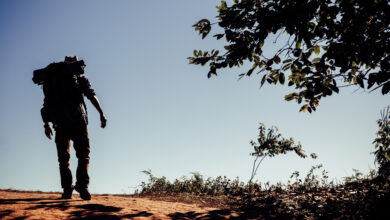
x=83 y=80
x=86 y=86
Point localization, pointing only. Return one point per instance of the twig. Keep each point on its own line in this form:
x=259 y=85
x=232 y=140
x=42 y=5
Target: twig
x=254 y=171
x=279 y=35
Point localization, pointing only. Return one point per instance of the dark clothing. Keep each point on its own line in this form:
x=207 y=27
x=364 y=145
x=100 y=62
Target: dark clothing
x=64 y=106
x=64 y=99
x=78 y=133
x=70 y=120
x=64 y=88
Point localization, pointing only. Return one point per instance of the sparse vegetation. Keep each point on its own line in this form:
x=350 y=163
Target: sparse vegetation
x=271 y=143
x=382 y=143
x=358 y=197
x=313 y=196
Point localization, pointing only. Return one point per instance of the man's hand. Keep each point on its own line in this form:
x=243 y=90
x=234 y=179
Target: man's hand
x=48 y=131
x=103 y=121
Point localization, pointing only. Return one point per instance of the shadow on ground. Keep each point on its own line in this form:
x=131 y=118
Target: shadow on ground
x=84 y=211
x=99 y=211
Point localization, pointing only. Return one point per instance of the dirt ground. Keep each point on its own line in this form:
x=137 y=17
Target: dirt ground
x=39 y=205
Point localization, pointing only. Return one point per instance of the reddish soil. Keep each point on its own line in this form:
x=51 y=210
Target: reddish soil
x=39 y=205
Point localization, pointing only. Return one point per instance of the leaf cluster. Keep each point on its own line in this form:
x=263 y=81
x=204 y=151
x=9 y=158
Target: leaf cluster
x=382 y=143
x=311 y=180
x=271 y=143
x=331 y=44
x=197 y=184
x=359 y=197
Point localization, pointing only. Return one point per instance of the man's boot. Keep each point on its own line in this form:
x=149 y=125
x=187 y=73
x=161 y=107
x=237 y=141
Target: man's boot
x=67 y=193
x=84 y=194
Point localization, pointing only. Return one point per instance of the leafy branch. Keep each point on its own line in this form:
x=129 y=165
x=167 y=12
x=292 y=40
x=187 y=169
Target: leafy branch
x=327 y=48
x=271 y=143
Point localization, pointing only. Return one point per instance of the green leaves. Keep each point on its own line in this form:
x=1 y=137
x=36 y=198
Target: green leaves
x=334 y=88
x=203 y=57
x=317 y=50
x=203 y=27
x=276 y=59
x=328 y=44
x=316 y=60
x=281 y=78
x=271 y=143
x=290 y=96
x=303 y=108
x=219 y=36
x=382 y=142
x=298 y=44
x=249 y=73
x=386 y=88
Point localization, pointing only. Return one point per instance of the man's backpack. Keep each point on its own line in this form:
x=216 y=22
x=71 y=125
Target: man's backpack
x=43 y=75
x=63 y=102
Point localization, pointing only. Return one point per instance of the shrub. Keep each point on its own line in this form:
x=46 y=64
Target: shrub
x=382 y=143
x=271 y=143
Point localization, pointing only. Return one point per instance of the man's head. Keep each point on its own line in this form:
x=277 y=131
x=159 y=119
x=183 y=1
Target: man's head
x=70 y=59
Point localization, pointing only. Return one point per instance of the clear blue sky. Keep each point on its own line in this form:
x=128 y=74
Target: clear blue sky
x=163 y=113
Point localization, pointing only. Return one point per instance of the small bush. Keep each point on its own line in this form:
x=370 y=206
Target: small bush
x=382 y=143
x=271 y=143
x=358 y=197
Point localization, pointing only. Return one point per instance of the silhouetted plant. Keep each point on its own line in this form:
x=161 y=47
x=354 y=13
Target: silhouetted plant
x=355 y=177
x=327 y=44
x=311 y=180
x=382 y=143
x=271 y=143
x=196 y=185
x=359 y=196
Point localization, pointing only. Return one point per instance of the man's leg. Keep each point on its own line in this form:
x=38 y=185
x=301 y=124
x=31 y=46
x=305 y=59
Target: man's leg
x=81 y=146
x=63 y=151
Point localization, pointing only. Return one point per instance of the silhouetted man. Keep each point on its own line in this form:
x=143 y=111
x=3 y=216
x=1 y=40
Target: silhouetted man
x=64 y=87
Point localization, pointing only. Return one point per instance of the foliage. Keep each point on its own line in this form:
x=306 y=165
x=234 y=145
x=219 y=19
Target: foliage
x=271 y=143
x=331 y=44
x=382 y=142
x=356 y=177
x=311 y=180
x=359 y=197
x=196 y=185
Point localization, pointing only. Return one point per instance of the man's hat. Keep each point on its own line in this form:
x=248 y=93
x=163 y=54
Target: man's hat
x=70 y=59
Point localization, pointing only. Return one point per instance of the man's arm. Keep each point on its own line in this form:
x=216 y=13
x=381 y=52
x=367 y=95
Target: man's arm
x=45 y=118
x=95 y=102
x=91 y=95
